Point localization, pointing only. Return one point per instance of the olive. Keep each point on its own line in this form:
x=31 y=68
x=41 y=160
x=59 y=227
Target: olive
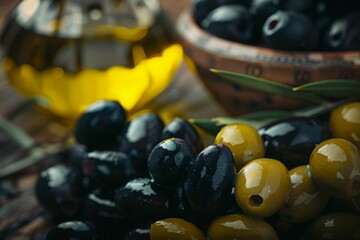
x=99 y=207
x=208 y=182
x=72 y=230
x=298 y=6
x=175 y=229
x=138 y=234
x=335 y=167
x=262 y=187
x=240 y=226
x=181 y=128
x=306 y=200
x=232 y=22
x=169 y=160
x=343 y=34
x=142 y=200
x=292 y=140
x=59 y=191
x=349 y=205
x=201 y=8
x=261 y=10
x=288 y=30
x=244 y=142
x=345 y=122
x=109 y=169
x=100 y=124
x=336 y=225
x=140 y=136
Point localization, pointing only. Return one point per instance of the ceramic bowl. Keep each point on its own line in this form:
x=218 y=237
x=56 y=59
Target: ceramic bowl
x=292 y=68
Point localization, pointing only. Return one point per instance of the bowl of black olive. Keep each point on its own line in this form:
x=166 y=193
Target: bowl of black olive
x=286 y=41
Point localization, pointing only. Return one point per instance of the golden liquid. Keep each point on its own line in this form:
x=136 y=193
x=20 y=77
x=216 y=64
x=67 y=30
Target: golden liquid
x=131 y=65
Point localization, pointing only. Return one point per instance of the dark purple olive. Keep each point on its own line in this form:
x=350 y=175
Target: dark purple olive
x=100 y=125
x=59 y=190
x=303 y=6
x=169 y=160
x=138 y=234
x=140 y=137
x=109 y=169
x=143 y=200
x=343 y=34
x=208 y=184
x=180 y=128
x=232 y=22
x=72 y=230
x=291 y=141
x=201 y=8
x=288 y=30
x=100 y=208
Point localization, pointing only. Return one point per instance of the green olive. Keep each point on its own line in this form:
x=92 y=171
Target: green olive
x=335 y=167
x=349 y=205
x=345 y=122
x=337 y=225
x=240 y=226
x=306 y=200
x=262 y=187
x=175 y=229
x=244 y=142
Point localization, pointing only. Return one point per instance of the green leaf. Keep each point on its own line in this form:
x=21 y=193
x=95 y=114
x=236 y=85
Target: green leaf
x=266 y=86
x=332 y=88
x=214 y=125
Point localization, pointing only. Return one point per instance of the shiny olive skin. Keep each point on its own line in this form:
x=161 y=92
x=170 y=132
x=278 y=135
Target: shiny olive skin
x=138 y=234
x=175 y=229
x=72 y=230
x=181 y=128
x=345 y=122
x=109 y=169
x=140 y=136
x=244 y=142
x=306 y=200
x=207 y=186
x=59 y=190
x=99 y=207
x=335 y=167
x=292 y=140
x=337 y=225
x=142 y=200
x=290 y=30
x=262 y=187
x=231 y=21
x=169 y=160
x=240 y=226
x=100 y=124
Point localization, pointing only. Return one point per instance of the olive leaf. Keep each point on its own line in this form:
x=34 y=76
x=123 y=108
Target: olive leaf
x=266 y=86
x=261 y=118
x=331 y=88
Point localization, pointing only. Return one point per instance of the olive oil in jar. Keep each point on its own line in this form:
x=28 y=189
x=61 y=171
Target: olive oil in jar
x=72 y=53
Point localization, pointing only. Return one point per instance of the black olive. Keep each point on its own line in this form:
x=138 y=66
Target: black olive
x=100 y=208
x=232 y=22
x=138 y=234
x=181 y=128
x=143 y=200
x=140 y=137
x=201 y=8
x=168 y=161
x=109 y=169
x=59 y=190
x=72 y=230
x=292 y=140
x=209 y=181
x=343 y=34
x=288 y=30
x=100 y=125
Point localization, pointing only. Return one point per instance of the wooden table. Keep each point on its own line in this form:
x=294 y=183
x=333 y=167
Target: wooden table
x=20 y=215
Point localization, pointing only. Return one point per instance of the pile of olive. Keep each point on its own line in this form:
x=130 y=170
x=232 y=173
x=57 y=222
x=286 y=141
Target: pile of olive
x=298 y=25
x=297 y=178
